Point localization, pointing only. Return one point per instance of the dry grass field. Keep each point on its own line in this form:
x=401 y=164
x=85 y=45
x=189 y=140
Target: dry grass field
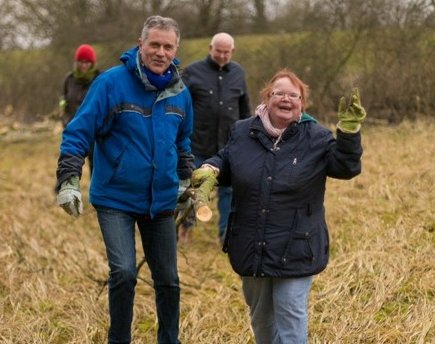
x=378 y=288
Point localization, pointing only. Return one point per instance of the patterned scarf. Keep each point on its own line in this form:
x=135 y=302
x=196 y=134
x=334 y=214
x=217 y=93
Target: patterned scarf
x=160 y=82
x=85 y=77
x=261 y=111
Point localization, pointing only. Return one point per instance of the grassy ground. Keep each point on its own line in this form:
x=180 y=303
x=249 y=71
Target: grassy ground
x=378 y=288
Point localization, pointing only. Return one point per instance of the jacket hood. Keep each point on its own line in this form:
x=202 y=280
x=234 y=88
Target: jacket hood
x=291 y=130
x=128 y=58
x=307 y=118
x=258 y=124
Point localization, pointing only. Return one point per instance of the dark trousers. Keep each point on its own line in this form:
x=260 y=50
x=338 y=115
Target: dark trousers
x=160 y=247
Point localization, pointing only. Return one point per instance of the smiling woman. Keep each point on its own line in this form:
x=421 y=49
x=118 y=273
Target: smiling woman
x=277 y=238
x=285 y=98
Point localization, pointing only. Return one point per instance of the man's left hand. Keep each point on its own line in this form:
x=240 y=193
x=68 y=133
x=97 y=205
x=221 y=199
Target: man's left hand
x=183 y=201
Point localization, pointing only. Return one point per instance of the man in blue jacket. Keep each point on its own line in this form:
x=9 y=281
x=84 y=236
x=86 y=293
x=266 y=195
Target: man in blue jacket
x=220 y=98
x=139 y=114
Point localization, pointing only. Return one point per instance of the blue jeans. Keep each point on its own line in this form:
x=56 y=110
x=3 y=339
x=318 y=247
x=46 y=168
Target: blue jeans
x=278 y=309
x=225 y=194
x=160 y=248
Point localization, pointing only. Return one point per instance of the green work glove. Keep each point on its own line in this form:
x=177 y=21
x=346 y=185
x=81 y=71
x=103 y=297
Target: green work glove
x=204 y=180
x=62 y=104
x=182 y=186
x=202 y=174
x=62 y=107
x=350 y=116
x=183 y=200
x=69 y=197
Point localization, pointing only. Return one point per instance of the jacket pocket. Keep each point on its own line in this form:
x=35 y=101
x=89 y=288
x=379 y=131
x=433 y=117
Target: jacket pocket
x=131 y=171
x=303 y=246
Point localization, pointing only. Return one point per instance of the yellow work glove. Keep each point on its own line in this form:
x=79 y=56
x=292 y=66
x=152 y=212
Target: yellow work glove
x=350 y=116
x=69 y=197
x=204 y=180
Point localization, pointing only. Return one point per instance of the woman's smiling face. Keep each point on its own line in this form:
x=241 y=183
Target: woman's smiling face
x=284 y=104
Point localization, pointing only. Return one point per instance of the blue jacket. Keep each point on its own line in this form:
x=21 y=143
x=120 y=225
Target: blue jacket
x=277 y=224
x=141 y=136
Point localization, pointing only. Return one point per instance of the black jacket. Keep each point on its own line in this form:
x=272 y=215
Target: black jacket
x=220 y=97
x=74 y=91
x=277 y=225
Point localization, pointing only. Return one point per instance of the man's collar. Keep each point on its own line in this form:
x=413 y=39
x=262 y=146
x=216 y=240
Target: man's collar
x=216 y=66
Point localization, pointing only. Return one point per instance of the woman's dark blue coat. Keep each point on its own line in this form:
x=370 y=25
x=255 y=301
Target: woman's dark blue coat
x=277 y=225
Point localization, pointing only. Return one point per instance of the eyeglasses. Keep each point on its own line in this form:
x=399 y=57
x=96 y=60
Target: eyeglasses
x=282 y=95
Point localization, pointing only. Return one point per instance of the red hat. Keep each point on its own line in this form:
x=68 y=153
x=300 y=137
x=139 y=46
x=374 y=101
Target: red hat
x=85 y=52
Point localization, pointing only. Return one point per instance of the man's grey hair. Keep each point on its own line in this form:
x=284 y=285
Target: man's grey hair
x=161 y=23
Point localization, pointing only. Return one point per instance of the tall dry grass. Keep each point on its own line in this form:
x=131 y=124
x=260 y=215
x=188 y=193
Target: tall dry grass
x=378 y=288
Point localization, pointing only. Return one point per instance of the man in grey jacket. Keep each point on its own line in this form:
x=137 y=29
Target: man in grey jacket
x=220 y=97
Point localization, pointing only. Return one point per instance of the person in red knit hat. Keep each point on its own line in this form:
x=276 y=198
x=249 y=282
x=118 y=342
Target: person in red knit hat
x=76 y=85
x=85 y=52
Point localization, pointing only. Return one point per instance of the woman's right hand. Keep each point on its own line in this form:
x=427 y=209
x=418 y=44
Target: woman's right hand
x=203 y=180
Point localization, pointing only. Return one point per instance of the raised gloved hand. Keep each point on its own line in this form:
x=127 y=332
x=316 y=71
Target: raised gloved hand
x=204 y=180
x=350 y=116
x=69 y=196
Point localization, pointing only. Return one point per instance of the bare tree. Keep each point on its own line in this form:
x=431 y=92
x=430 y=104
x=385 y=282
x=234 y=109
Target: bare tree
x=260 y=21
x=8 y=27
x=209 y=16
x=383 y=46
